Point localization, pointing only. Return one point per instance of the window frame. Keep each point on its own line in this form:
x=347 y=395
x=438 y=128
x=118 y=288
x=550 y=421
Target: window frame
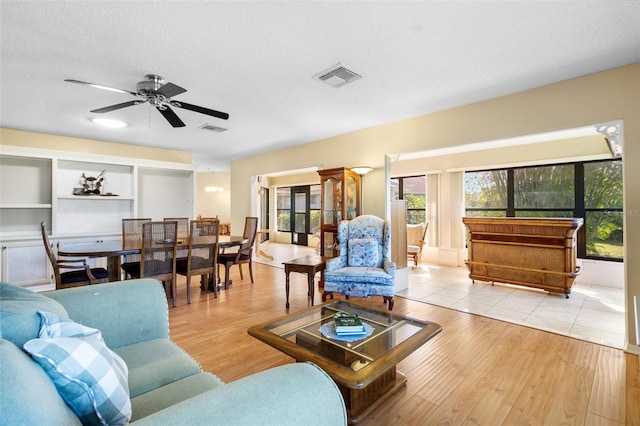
x=579 y=210
x=420 y=211
x=280 y=211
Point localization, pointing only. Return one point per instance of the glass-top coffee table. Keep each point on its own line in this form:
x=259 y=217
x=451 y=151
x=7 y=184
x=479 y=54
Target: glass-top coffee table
x=364 y=368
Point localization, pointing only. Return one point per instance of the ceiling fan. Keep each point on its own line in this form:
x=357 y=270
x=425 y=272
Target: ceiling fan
x=157 y=93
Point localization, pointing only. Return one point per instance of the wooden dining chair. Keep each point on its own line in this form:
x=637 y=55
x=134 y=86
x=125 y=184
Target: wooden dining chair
x=202 y=257
x=183 y=227
x=82 y=274
x=158 y=255
x=183 y=235
x=132 y=239
x=244 y=253
x=225 y=227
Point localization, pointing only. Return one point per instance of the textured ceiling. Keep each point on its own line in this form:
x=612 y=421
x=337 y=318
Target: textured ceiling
x=255 y=61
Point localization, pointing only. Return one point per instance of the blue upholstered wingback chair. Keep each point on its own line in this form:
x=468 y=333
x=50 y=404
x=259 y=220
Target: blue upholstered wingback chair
x=364 y=267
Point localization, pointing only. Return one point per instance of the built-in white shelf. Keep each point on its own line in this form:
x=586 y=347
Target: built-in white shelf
x=37 y=185
x=93 y=197
x=24 y=206
x=19 y=235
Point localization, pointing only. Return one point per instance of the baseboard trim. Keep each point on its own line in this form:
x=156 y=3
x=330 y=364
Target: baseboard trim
x=635 y=350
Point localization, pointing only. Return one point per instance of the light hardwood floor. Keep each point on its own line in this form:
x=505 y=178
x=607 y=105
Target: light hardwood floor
x=477 y=371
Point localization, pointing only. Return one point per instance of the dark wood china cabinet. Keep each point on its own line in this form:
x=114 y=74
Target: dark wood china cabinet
x=340 y=193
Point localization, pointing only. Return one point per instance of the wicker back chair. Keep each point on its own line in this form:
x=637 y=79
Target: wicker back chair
x=202 y=257
x=225 y=227
x=183 y=226
x=132 y=239
x=183 y=235
x=132 y=232
x=158 y=254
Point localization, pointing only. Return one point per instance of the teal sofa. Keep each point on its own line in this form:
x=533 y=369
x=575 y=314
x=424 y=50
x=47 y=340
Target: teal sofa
x=165 y=384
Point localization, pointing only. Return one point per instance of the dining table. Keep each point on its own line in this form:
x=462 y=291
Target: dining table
x=113 y=250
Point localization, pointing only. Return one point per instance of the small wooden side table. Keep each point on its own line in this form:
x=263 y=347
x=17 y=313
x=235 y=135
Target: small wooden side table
x=309 y=265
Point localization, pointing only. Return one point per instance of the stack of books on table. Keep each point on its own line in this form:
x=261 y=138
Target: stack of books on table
x=348 y=324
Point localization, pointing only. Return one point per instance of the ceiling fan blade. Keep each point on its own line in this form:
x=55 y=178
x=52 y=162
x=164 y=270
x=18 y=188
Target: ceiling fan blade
x=100 y=86
x=201 y=110
x=171 y=116
x=117 y=106
x=168 y=90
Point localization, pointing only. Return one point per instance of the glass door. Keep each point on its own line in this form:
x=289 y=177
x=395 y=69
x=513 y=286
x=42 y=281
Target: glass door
x=265 y=220
x=300 y=210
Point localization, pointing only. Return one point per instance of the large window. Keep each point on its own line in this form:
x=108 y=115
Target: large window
x=603 y=209
x=412 y=189
x=589 y=190
x=486 y=193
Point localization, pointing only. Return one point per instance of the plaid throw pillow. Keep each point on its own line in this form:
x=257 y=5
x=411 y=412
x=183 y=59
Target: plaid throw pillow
x=90 y=377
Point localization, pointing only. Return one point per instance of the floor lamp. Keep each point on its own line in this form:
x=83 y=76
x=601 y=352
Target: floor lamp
x=361 y=170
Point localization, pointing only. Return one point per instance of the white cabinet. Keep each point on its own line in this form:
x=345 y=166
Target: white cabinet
x=26 y=263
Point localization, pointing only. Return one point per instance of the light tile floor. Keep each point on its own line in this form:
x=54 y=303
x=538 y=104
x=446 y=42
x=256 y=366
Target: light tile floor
x=592 y=312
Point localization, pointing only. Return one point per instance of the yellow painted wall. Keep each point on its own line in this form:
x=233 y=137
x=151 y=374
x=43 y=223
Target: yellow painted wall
x=535 y=153
x=210 y=204
x=89 y=146
x=297 y=179
x=605 y=96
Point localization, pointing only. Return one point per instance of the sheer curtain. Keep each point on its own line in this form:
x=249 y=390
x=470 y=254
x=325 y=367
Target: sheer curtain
x=457 y=209
x=433 y=210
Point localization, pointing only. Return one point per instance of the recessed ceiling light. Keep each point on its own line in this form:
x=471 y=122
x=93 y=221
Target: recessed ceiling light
x=109 y=123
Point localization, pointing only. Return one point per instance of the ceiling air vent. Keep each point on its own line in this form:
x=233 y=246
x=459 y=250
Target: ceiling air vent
x=337 y=76
x=213 y=128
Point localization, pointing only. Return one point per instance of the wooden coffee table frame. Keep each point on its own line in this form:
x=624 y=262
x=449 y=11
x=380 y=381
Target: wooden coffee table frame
x=393 y=339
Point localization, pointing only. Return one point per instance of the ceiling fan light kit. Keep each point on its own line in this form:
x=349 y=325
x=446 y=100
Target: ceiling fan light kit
x=154 y=91
x=109 y=123
x=151 y=84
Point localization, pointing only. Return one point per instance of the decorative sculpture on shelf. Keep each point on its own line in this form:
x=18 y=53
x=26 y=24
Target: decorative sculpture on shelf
x=91 y=185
